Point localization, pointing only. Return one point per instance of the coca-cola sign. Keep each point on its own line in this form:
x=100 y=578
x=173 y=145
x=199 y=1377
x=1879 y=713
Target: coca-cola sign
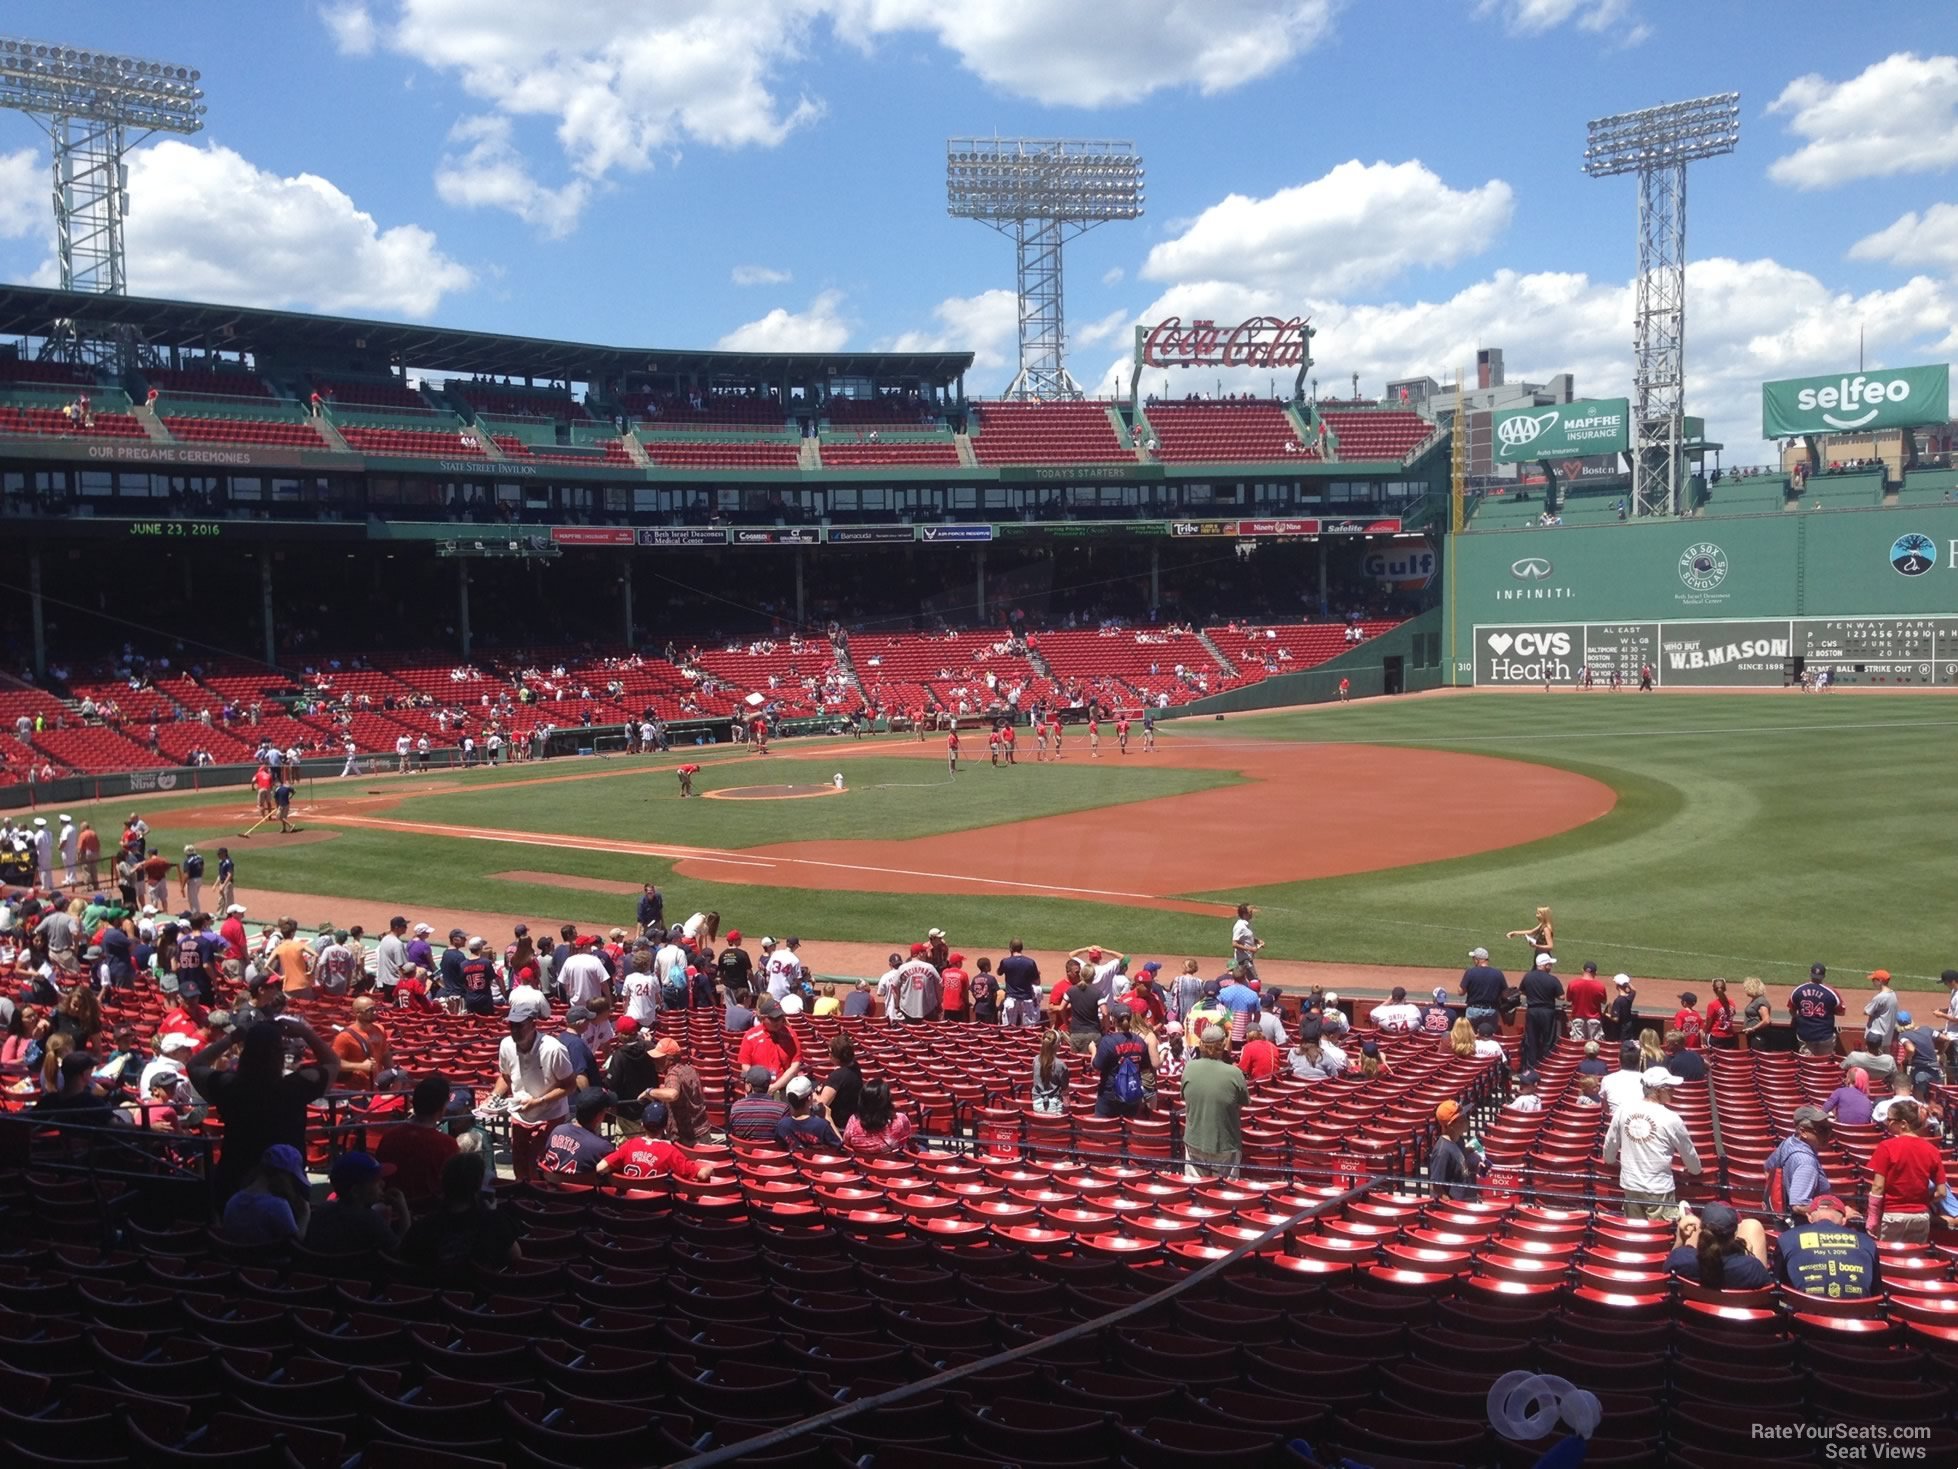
x=1260 y=341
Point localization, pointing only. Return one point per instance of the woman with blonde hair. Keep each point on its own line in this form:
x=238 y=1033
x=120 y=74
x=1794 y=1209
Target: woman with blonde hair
x=1049 y=1075
x=1757 y=1012
x=1540 y=936
x=1461 y=1038
x=1650 y=1052
x=57 y=1048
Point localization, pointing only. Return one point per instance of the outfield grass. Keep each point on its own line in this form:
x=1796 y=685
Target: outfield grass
x=1752 y=835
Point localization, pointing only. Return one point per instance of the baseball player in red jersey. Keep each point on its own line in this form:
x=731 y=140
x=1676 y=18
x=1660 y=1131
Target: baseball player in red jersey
x=1007 y=741
x=1054 y=729
x=1122 y=734
x=1345 y=690
x=1094 y=735
x=952 y=750
x=992 y=745
x=1039 y=739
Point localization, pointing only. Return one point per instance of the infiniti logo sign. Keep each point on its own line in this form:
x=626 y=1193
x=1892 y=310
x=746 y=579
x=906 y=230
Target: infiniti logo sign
x=1531 y=568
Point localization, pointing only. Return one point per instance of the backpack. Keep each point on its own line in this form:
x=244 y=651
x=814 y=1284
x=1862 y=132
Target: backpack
x=1126 y=1084
x=676 y=985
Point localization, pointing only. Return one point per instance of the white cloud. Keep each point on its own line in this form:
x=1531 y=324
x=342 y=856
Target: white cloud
x=629 y=83
x=1899 y=115
x=1616 y=19
x=1747 y=321
x=1111 y=325
x=351 y=27
x=1358 y=225
x=1930 y=238
x=489 y=173
x=207 y=224
x=1067 y=54
x=819 y=329
x=26 y=202
x=760 y=275
x=986 y=325
x=1112 y=276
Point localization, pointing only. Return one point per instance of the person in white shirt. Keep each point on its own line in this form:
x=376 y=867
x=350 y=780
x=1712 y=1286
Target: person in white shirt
x=1315 y=1059
x=1644 y=1139
x=1526 y=1098
x=174 y=1050
x=784 y=968
x=1332 y=1019
x=1397 y=1016
x=67 y=841
x=390 y=956
x=666 y=956
x=535 y=1072
x=1625 y=1085
x=1486 y=1043
x=641 y=989
x=887 y=988
x=583 y=978
x=1245 y=944
x=402 y=745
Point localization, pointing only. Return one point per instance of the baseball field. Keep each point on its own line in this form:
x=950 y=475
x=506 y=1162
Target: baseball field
x=1673 y=835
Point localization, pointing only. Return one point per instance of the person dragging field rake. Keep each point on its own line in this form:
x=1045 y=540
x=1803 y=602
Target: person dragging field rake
x=952 y=751
x=686 y=774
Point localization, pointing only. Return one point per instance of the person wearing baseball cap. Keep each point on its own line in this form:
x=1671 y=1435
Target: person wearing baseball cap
x=1880 y=1014
x=1645 y=1138
x=273 y=1207
x=1543 y=994
x=364 y=1216
x=801 y=1130
x=1794 y=1169
x=771 y=1045
x=1720 y=1250
x=649 y=1155
x=752 y=1118
x=1621 y=1013
x=1813 y=1007
x=681 y=1090
x=1830 y=1254
x=1587 y=998
x=1453 y=1168
x=1482 y=987
x=535 y=1071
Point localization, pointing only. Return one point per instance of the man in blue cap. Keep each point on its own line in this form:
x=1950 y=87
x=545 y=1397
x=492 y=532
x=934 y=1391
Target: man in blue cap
x=364 y=1215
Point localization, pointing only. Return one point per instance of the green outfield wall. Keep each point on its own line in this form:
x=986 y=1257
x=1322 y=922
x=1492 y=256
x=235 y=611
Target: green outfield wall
x=1746 y=601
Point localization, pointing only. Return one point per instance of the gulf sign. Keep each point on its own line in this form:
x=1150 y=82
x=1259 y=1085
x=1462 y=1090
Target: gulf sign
x=1402 y=566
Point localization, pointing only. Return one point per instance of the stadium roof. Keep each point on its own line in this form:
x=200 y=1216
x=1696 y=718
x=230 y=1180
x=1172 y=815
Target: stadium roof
x=33 y=311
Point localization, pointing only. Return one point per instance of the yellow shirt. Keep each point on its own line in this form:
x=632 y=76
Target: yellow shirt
x=827 y=1005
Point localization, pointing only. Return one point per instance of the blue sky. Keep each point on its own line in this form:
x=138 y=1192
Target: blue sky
x=1407 y=174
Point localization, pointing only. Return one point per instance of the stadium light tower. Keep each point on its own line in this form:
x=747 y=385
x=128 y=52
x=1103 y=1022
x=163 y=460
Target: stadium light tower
x=1657 y=143
x=88 y=103
x=1042 y=192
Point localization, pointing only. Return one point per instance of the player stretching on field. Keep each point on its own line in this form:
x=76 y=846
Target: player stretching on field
x=952 y=750
x=1122 y=733
x=1148 y=729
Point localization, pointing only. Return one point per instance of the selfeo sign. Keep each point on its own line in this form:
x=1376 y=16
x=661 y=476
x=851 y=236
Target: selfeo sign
x=1562 y=430
x=1893 y=397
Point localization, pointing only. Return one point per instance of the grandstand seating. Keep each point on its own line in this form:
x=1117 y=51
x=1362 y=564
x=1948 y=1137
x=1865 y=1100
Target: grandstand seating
x=94 y=747
x=606 y=454
x=675 y=453
x=244 y=430
x=237 y=382
x=503 y=398
x=884 y=412
x=1224 y=430
x=890 y=455
x=410 y=442
x=897 y=671
x=179 y=738
x=65 y=375
x=1306 y=643
x=1046 y=433
x=373 y=392
x=26 y=419
x=1116 y=664
x=723 y=411
x=1376 y=433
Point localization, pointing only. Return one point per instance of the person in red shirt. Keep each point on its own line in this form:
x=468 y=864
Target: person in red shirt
x=1587 y=1000
x=232 y=931
x=952 y=751
x=419 y=1149
x=1686 y=1020
x=1054 y=732
x=1720 y=1031
x=918 y=722
x=1094 y=737
x=186 y=1017
x=1122 y=734
x=952 y=988
x=1258 y=1060
x=992 y=746
x=1007 y=740
x=771 y=1044
x=411 y=992
x=1906 y=1173
x=651 y=1156
x=1345 y=690
x=262 y=783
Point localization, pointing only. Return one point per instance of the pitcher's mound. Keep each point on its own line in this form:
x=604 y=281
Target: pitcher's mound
x=771 y=793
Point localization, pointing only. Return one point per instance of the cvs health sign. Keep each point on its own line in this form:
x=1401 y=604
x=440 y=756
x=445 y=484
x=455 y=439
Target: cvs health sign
x=1531 y=653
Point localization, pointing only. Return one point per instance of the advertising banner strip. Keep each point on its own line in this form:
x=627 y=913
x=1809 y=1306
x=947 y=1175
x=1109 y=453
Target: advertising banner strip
x=1562 y=430
x=684 y=535
x=778 y=535
x=869 y=535
x=1893 y=397
x=955 y=532
x=592 y=535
